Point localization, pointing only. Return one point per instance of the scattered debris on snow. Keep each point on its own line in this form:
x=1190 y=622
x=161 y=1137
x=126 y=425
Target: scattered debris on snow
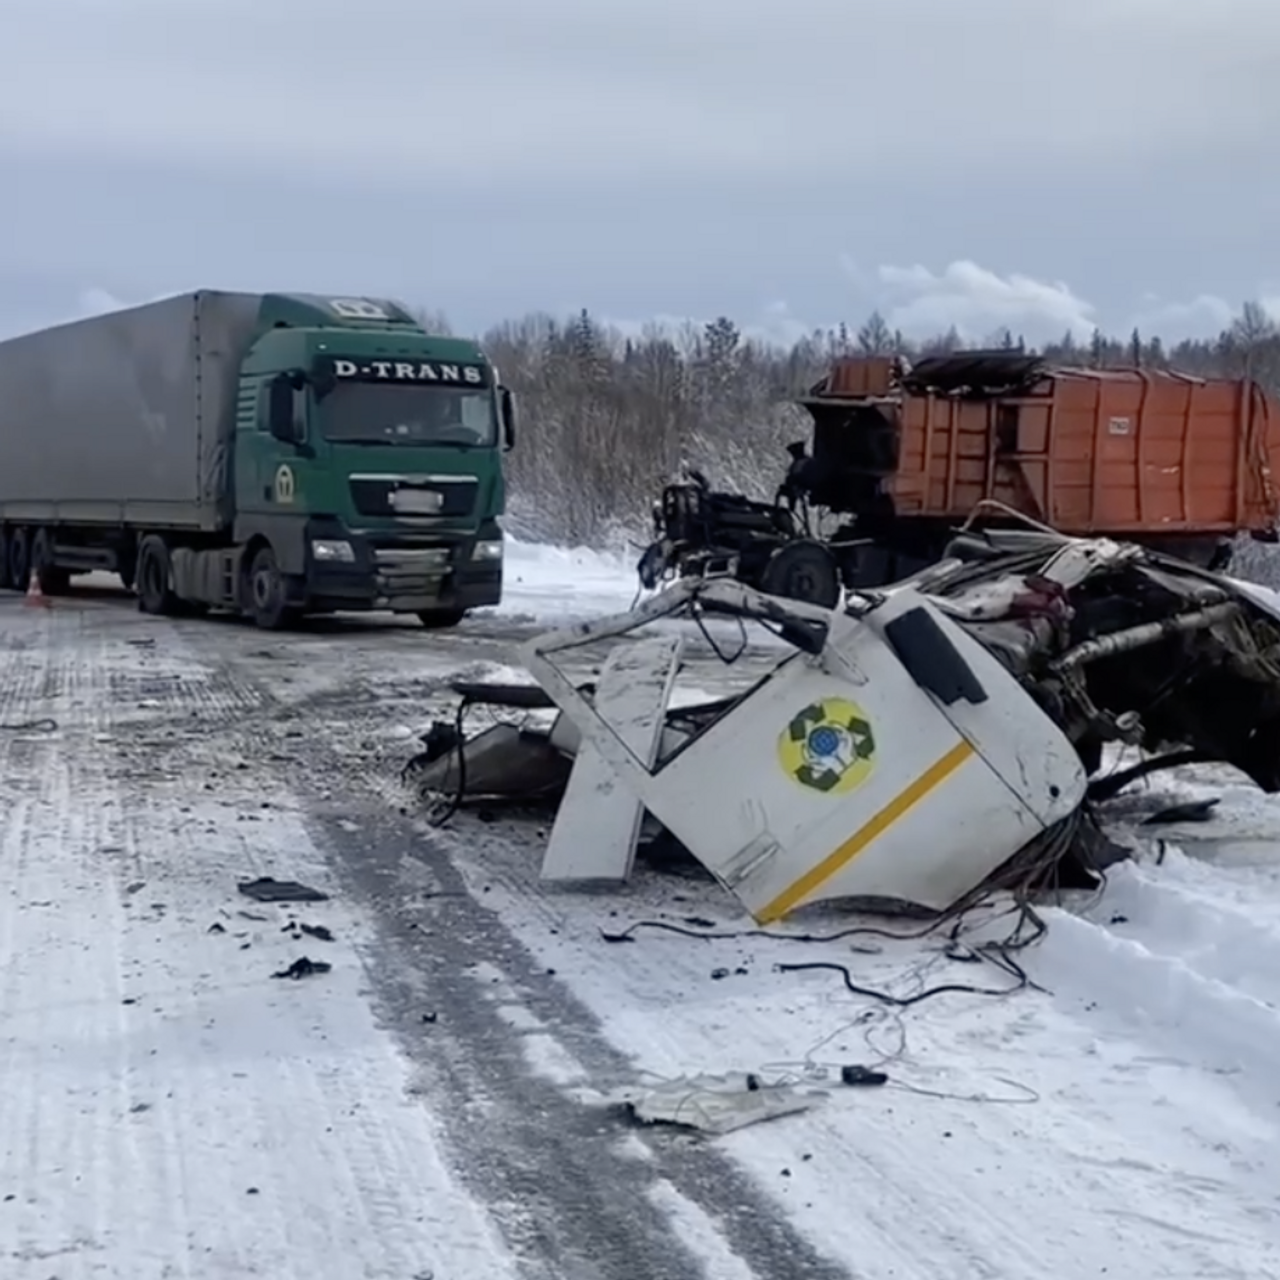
x=303 y=967
x=715 y=1104
x=265 y=889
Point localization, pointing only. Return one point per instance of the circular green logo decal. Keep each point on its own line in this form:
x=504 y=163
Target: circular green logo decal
x=829 y=746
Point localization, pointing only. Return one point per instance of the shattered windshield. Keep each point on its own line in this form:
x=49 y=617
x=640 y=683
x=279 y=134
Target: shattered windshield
x=400 y=414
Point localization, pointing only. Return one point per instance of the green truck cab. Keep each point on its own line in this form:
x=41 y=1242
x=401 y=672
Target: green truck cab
x=278 y=455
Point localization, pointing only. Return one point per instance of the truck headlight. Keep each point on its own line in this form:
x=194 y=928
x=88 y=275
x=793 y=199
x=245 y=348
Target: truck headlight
x=332 y=549
x=488 y=550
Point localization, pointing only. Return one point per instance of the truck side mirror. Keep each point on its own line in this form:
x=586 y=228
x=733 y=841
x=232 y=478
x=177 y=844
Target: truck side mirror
x=280 y=419
x=507 y=399
x=324 y=382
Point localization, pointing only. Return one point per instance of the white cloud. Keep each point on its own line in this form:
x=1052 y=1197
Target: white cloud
x=920 y=302
x=977 y=302
x=1205 y=314
x=98 y=302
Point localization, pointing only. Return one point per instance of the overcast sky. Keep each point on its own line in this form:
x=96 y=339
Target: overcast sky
x=1041 y=164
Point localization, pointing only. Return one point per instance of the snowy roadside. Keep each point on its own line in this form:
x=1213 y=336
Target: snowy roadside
x=1122 y=1122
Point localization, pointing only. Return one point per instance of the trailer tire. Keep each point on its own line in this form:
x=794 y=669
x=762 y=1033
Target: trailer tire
x=53 y=580
x=804 y=571
x=155 y=596
x=441 y=619
x=19 y=559
x=265 y=595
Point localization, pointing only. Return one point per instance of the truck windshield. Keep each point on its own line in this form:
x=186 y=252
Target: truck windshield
x=364 y=413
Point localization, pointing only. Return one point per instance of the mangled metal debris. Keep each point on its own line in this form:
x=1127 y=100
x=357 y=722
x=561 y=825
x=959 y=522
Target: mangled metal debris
x=926 y=741
x=891 y=756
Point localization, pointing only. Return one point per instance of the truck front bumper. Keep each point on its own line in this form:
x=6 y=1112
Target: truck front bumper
x=403 y=575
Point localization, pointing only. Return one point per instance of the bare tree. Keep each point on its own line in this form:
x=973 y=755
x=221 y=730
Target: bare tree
x=875 y=337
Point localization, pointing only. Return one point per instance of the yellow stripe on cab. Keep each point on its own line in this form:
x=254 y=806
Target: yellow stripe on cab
x=934 y=776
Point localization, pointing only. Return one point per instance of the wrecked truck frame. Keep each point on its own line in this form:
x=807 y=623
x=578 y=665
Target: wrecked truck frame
x=891 y=756
x=936 y=743
x=926 y=738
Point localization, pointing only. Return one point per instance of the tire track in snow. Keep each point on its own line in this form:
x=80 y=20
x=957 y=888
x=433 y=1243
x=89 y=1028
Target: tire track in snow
x=899 y=1195
x=543 y=1161
x=546 y=1163
x=1116 y=1164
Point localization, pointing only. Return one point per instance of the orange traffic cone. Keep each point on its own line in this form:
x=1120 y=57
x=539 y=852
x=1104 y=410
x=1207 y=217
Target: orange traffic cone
x=35 y=598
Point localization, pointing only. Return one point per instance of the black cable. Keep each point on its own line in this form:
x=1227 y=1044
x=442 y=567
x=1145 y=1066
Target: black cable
x=1019 y=876
x=1109 y=786
x=901 y=1002
x=728 y=659
x=31 y=726
x=459 y=749
x=839 y=936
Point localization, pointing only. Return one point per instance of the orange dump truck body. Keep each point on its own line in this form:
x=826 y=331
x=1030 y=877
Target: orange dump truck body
x=1086 y=451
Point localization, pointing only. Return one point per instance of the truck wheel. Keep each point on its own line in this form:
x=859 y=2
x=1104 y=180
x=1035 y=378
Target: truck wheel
x=53 y=580
x=6 y=581
x=803 y=571
x=439 y=619
x=19 y=559
x=266 y=593
x=154 y=594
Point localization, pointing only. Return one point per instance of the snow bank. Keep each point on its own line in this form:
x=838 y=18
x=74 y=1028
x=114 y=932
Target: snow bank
x=551 y=584
x=554 y=586
x=1120 y=1120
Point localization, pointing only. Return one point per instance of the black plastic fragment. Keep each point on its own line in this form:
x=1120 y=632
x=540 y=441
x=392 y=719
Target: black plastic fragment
x=1190 y=811
x=303 y=967
x=265 y=889
x=859 y=1075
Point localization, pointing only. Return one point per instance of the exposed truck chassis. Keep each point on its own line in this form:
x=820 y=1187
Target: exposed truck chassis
x=700 y=532
x=776 y=547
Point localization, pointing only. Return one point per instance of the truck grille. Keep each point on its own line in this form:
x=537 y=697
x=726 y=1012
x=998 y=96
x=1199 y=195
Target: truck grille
x=411 y=577
x=424 y=497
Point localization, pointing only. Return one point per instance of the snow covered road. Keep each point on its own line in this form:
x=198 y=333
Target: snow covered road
x=429 y=1106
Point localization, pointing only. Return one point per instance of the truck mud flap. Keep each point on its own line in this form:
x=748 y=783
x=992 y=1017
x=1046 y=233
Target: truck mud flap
x=931 y=660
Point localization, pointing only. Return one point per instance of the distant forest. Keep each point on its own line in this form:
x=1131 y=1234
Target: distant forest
x=607 y=418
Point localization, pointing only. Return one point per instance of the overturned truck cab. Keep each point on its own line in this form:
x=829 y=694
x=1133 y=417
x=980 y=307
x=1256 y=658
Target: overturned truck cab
x=933 y=741
x=891 y=757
